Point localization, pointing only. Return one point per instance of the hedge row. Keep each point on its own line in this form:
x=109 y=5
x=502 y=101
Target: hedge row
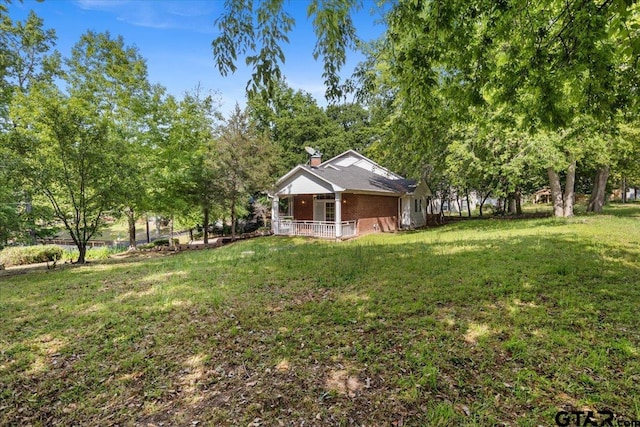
x=22 y=255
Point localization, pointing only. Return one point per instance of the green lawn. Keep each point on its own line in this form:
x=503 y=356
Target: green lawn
x=487 y=322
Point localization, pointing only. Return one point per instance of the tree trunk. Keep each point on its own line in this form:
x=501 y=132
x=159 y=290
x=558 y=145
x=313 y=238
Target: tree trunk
x=205 y=229
x=131 y=220
x=82 y=253
x=483 y=201
x=569 y=187
x=459 y=206
x=518 y=196
x=624 y=188
x=596 y=202
x=502 y=205
x=171 y=232
x=29 y=211
x=468 y=204
x=556 y=192
x=148 y=235
x=512 y=203
x=233 y=219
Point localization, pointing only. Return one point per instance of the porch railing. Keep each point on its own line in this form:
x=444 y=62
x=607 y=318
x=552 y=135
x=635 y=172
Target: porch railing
x=326 y=229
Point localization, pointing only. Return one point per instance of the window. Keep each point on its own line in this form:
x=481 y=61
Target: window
x=285 y=206
x=417 y=205
x=325 y=197
x=330 y=211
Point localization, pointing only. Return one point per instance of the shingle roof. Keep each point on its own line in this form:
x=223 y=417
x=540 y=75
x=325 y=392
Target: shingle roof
x=358 y=179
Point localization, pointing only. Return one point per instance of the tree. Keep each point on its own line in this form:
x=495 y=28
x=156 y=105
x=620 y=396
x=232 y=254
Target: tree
x=67 y=155
x=191 y=179
x=557 y=71
x=113 y=78
x=294 y=121
x=26 y=56
x=243 y=162
x=258 y=29
x=75 y=147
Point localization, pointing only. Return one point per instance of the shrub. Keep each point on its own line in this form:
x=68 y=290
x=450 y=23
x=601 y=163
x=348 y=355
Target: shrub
x=22 y=255
x=164 y=242
x=94 y=254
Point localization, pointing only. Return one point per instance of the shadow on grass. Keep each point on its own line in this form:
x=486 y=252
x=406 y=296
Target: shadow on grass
x=623 y=210
x=257 y=329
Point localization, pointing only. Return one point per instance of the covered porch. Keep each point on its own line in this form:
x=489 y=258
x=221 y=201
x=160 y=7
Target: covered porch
x=311 y=215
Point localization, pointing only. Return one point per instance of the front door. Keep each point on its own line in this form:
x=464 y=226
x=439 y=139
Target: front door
x=324 y=210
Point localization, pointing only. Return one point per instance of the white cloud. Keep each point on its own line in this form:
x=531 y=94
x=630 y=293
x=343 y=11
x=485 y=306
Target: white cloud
x=193 y=15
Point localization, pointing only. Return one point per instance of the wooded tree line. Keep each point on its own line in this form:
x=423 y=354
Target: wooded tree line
x=87 y=136
x=495 y=96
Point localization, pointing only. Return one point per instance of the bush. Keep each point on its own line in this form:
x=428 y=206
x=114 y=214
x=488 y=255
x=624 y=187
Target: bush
x=23 y=255
x=93 y=254
x=163 y=242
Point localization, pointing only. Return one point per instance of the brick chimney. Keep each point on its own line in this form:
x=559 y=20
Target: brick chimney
x=315 y=159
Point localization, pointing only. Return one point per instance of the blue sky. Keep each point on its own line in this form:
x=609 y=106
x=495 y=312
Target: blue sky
x=175 y=38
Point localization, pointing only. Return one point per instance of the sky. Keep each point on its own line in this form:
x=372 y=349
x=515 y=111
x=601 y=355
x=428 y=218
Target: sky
x=175 y=38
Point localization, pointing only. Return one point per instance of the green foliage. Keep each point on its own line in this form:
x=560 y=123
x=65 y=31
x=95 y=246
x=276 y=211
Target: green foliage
x=529 y=86
x=25 y=49
x=23 y=255
x=67 y=154
x=96 y=253
x=78 y=147
x=293 y=121
x=257 y=30
x=243 y=162
x=25 y=59
x=160 y=242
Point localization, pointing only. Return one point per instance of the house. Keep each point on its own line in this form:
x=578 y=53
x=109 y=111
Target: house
x=346 y=196
x=542 y=196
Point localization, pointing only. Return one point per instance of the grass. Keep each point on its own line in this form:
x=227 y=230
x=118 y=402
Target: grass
x=476 y=323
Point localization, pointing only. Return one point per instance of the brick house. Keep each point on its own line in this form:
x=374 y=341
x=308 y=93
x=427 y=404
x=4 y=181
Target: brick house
x=346 y=196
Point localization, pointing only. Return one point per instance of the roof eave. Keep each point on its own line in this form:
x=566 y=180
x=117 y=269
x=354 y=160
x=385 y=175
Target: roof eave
x=292 y=172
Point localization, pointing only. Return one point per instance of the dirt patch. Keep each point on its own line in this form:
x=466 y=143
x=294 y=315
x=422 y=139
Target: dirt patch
x=341 y=382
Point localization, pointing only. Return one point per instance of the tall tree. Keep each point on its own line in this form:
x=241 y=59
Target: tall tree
x=191 y=179
x=549 y=65
x=112 y=77
x=243 y=162
x=67 y=155
x=293 y=120
x=75 y=147
x=26 y=56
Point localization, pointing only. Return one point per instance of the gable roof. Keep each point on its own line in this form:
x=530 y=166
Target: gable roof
x=351 y=171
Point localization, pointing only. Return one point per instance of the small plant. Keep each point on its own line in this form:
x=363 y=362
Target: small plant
x=163 y=242
x=23 y=255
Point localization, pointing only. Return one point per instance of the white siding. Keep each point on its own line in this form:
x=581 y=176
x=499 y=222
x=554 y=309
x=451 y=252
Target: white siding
x=302 y=183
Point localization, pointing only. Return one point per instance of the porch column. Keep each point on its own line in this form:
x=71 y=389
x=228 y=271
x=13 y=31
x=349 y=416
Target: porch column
x=275 y=219
x=338 y=215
